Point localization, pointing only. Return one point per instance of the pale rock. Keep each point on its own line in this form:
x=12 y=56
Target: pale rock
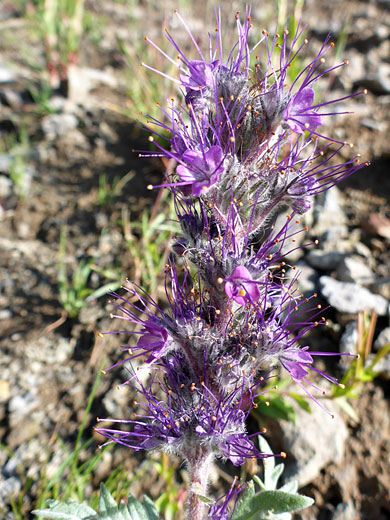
x=349 y=338
x=348 y=344
x=5 y=163
x=6 y=74
x=5 y=314
x=356 y=70
x=9 y=488
x=324 y=260
x=307 y=278
x=377 y=82
x=6 y=187
x=50 y=349
x=314 y=442
x=350 y=298
x=116 y=399
x=90 y=314
x=328 y=213
x=81 y=80
x=381 y=286
x=382 y=339
x=5 y=390
x=21 y=405
x=382 y=367
x=12 y=98
x=362 y=250
x=345 y=511
x=54 y=125
x=354 y=269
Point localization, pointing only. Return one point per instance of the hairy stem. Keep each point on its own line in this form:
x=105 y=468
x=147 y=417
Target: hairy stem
x=198 y=467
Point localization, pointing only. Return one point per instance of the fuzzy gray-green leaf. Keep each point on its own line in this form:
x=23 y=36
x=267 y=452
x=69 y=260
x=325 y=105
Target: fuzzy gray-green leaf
x=150 y=508
x=275 y=502
x=141 y=512
x=69 y=510
x=108 y=508
x=245 y=499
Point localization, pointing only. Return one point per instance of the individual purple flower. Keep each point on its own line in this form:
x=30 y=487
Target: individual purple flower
x=296 y=361
x=154 y=339
x=240 y=286
x=220 y=509
x=237 y=449
x=201 y=169
x=200 y=75
x=300 y=115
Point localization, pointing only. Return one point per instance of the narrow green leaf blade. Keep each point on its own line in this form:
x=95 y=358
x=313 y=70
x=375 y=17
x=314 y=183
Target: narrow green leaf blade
x=101 y=291
x=344 y=405
x=301 y=401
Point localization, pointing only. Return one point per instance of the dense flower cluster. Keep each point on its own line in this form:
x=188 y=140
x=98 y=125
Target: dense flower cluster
x=246 y=145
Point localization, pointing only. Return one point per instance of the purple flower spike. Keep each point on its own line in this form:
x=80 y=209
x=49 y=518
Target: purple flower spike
x=299 y=115
x=240 y=286
x=246 y=146
x=202 y=169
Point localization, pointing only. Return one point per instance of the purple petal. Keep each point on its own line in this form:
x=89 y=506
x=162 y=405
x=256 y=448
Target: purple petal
x=295 y=361
x=241 y=281
x=202 y=169
x=299 y=115
x=200 y=75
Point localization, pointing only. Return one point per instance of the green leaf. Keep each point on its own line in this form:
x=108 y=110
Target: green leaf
x=271 y=502
x=271 y=480
x=140 y=512
x=290 y=487
x=150 y=509
x=246 y=498
x=344 y=405
x=266 y=448
x=69 y=510
x=301 y=401
x=278 y=409
x=101 y=291
x=124 y=511
x=108 y=508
